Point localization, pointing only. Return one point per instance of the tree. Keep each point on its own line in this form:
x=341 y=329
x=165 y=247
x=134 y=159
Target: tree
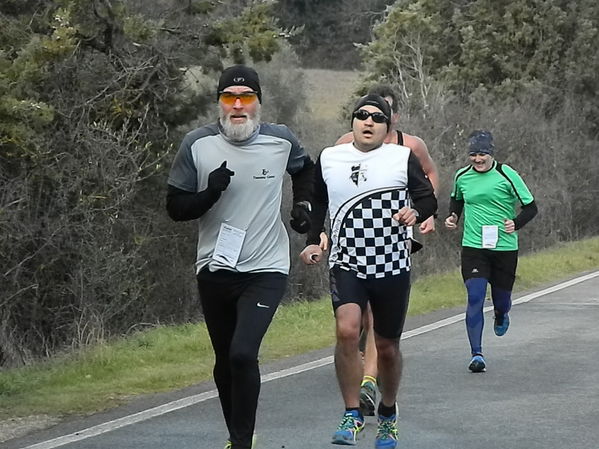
x=92 y=93
x=495 y=46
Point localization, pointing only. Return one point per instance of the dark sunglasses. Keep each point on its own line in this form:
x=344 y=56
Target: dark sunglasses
x=377 y=117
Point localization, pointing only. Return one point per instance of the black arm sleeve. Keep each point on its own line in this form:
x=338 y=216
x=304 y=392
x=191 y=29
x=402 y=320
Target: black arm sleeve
x=526 y=214
x=320 y=205
x=302 y=182
x=182 y=205
x=420 y=189
x=456 y=207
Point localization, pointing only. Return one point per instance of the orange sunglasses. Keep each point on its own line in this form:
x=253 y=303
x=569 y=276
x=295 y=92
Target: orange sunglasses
x=246 y=98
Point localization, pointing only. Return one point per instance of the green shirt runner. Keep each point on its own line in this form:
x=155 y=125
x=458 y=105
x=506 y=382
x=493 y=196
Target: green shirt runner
x=490 y=198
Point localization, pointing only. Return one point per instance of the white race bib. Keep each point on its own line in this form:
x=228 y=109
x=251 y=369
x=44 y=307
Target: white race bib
x=228 y=245
x=490 y=236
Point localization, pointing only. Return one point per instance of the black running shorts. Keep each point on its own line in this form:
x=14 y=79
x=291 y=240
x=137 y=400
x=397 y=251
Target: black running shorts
x=499 y=267
x=388 y=298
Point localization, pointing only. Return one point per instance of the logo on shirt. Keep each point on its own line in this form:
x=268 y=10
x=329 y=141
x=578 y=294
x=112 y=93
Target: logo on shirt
x=358 y=173
x=264 y=174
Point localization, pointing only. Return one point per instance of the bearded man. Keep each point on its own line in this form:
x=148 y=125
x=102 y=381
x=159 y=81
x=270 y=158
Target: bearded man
x=229 y=176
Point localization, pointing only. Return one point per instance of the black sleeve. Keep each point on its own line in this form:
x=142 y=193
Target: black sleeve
x=302 y=181
x=456 y=207
x=526 y=214
x=182 y=205
x=420 y=189
x=320 y=205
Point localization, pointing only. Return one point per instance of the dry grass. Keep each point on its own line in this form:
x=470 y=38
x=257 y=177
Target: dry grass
x=328 y=91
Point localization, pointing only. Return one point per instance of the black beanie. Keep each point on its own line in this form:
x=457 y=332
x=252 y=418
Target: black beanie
x=239 y=75
x=480 y=141
x=377 y=101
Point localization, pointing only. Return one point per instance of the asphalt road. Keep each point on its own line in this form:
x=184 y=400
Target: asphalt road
x=540 y=391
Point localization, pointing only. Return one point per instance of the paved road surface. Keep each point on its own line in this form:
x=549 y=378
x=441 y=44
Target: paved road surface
x=541 y=391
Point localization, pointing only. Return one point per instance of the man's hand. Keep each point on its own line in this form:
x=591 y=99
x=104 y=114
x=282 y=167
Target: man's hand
x=219 y=179
x=407 y=216
x=427 y=226
x=300 y=215
x=311 y=255
x=451 y=222
x=509 y=225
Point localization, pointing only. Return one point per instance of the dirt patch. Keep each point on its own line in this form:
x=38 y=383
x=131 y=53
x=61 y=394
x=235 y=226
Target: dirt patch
x=18 y=427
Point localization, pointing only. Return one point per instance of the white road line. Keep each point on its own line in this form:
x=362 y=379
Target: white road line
x=195 y=399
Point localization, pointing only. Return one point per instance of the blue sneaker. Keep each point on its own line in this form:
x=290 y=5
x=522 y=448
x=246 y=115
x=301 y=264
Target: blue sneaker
x=387 y=433
x=349 y=428
x=477 y=364
x=501 y=324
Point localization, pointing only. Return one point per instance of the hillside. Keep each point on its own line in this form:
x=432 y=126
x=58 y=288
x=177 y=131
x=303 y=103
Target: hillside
x=329 y=90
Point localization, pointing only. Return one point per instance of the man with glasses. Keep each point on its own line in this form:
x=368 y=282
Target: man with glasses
x=373 y=192
x=414 y=143
x=368 y=389
x=229 y=175
x=488 y=193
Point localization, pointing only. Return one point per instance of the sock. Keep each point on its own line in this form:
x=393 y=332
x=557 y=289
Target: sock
x=386 y=411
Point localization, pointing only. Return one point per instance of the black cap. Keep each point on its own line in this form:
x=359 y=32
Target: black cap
x=239 y=75
x=480 y=141
x=376 y=101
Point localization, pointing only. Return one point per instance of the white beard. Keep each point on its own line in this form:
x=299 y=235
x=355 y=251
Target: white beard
x=241 y=131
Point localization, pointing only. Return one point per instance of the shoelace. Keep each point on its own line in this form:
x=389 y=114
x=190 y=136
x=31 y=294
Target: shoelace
x=348 y=423
x=387 y=429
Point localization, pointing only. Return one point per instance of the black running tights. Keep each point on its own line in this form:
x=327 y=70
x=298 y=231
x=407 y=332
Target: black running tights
x=238 y=308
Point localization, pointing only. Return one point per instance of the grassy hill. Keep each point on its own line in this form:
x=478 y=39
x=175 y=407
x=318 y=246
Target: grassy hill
x=329 y=90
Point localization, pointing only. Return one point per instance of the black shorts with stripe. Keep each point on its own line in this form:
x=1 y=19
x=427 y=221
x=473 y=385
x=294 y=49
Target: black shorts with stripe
x=388 y=297
x=499 y=267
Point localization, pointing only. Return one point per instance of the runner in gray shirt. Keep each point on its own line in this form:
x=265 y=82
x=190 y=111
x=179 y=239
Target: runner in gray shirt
x=229 y=175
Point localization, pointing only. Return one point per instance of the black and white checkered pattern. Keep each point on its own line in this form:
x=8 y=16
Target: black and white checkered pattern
x=367 y=240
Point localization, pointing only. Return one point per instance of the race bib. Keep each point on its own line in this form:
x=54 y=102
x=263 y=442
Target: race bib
x=490 y=236
x=228 y=245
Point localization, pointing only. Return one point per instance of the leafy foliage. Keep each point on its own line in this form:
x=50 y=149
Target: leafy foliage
x=92 y=94
x=501 y=47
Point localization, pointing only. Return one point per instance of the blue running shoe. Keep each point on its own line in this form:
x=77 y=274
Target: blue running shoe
x=501 y=324
x=477 y=364
x=349 y=428
x=387 y=433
